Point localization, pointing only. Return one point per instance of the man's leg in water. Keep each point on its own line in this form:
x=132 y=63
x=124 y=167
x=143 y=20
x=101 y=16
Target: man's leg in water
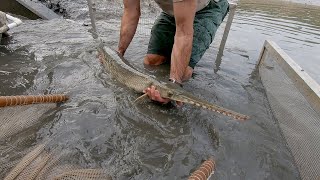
x=161 y=40
x=206 y=24
x=161 y=43
x=154 y=59
x=160 y=48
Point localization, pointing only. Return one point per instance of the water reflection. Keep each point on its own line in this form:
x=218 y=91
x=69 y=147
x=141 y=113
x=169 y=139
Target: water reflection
x=295 y=27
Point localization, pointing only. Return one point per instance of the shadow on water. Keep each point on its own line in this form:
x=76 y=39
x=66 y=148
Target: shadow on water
x=101 y=125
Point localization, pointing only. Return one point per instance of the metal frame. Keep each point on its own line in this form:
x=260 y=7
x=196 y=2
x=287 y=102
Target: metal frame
x=308 y=87
x=232 y=11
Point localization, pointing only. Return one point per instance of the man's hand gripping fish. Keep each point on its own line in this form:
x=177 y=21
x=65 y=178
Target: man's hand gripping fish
x=123 y=72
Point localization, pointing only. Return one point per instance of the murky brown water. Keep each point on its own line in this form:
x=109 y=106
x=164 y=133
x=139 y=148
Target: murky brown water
x=105 y=129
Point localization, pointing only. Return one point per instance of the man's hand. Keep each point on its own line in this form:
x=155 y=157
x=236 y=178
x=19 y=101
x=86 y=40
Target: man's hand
x=154 y=95
x=121 y=52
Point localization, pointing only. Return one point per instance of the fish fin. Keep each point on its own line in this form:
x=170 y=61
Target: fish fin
x=140 y=98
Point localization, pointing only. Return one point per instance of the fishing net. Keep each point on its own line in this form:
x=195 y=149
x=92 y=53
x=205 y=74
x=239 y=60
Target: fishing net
x=298 y=120
x=17 y=119
x=18 y=114
x=45 y=163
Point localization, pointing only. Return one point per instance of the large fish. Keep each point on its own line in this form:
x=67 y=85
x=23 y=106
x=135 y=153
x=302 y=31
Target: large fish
x=126 y=74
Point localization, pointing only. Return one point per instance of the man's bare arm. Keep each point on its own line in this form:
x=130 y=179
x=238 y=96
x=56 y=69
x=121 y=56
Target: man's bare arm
x=184 y=12
x=129 y=23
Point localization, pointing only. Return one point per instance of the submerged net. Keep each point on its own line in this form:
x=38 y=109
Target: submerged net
x=43 y=163
x=18 y=118
x=15 y=118
x=299 y=122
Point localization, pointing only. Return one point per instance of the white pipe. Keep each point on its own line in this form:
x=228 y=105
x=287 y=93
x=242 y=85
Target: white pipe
x=16 y=21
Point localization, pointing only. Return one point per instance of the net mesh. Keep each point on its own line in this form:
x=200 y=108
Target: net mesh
x=298 y=121
x=18 y=118
x=42 y=161
x=46 y=163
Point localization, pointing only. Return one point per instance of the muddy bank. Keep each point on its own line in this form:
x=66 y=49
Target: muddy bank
x=78 y=10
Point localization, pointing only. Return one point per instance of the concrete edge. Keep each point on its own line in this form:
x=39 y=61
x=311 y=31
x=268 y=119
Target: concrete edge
x=39 y=9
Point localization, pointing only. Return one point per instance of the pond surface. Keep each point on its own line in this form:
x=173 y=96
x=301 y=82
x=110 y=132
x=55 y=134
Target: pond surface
x=105 y=129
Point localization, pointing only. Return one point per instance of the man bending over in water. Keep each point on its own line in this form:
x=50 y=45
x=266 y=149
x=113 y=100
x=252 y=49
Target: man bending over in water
x=181 y=34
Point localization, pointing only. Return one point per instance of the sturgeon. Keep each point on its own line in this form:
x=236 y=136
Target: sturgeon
x=123 y=72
